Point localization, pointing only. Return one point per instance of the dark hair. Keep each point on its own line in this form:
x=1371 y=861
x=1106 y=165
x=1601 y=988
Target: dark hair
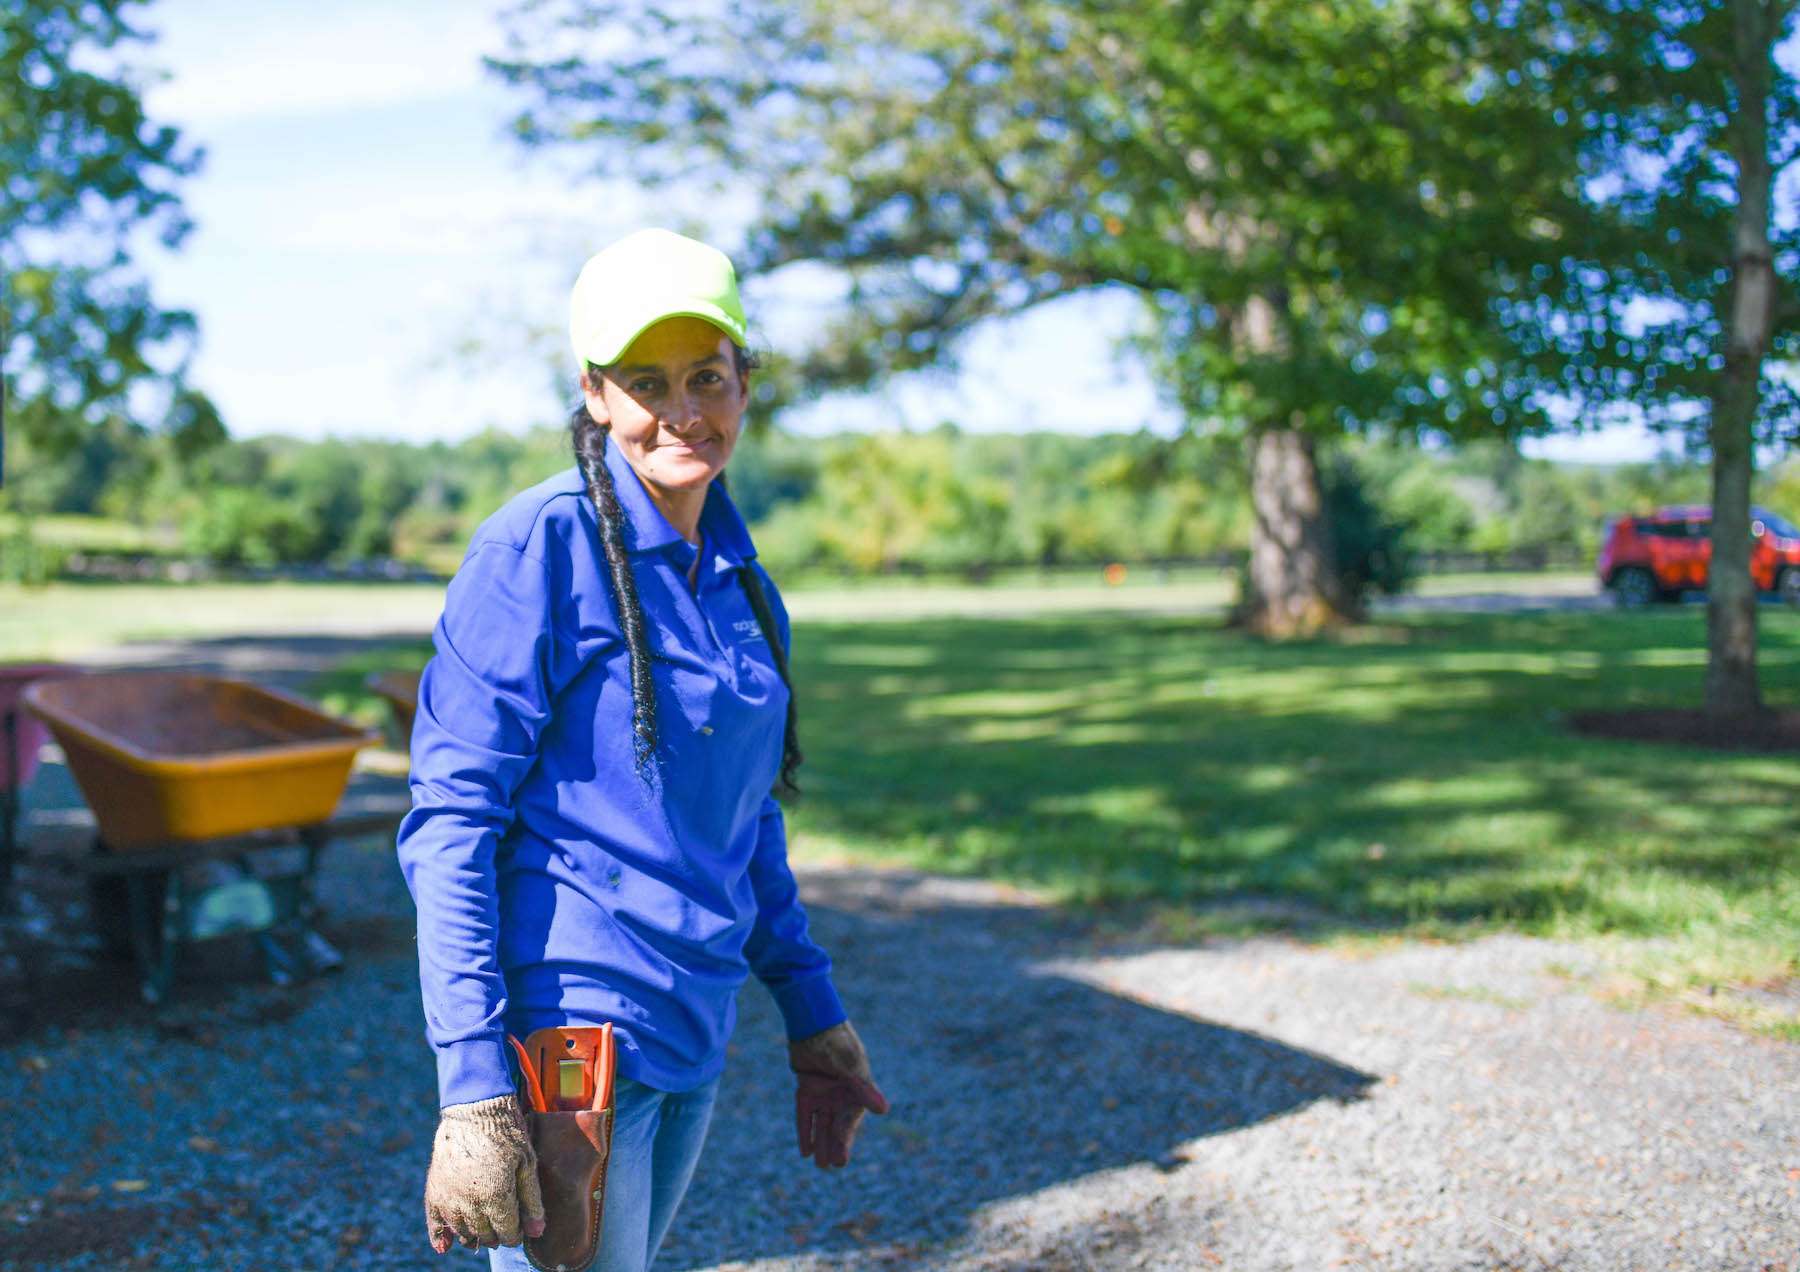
x=791 y=756
x=589 y=438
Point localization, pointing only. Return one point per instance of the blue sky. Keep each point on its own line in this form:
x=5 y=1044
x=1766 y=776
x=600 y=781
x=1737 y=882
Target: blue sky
x=373 y=257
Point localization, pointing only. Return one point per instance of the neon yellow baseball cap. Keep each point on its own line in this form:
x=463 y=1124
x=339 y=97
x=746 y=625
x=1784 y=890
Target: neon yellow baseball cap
x=643 y=278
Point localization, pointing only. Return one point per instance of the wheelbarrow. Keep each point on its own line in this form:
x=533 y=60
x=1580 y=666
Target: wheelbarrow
x=401 y=690
x=21 y=737
x=213 y=800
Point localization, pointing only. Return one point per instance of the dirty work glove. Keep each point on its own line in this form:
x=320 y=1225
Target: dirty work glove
x=835 y=1089
x=483 y=1177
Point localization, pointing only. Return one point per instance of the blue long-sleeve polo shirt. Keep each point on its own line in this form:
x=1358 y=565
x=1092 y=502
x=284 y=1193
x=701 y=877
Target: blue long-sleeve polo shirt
x=554 y=883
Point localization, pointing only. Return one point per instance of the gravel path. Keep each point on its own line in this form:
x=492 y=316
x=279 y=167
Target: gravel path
x=1061 y=1101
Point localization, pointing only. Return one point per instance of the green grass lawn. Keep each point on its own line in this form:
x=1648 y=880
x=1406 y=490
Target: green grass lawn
x=66 y=620
x=1116 y=749
x=93 y=534
x=1413 y=779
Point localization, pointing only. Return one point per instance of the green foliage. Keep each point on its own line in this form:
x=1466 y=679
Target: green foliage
x=235 y=526
x=72 y=475
x=1687 y=288
x=949 y=501
x=1316 y=201
x=1316 y=204
x=1489 y=498
x=25 y=557
x=1373 y=549
x=1638 y=307
x=1434 y=505
x=82 y=171
x=1779 y=489
x=271 y=501
x=891 y=499
x=769 y=469
x=943 y=501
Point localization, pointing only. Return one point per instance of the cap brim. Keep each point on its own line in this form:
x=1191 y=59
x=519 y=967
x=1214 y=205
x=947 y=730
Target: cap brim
x=604 y=355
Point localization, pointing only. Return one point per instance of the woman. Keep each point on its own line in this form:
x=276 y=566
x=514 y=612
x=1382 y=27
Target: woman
x=592 y=836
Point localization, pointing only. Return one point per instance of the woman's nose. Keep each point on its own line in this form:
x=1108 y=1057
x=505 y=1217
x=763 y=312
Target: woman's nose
x=684 y=411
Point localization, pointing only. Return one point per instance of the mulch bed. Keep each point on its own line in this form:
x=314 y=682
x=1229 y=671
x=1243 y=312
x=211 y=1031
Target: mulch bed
x=1768 y=731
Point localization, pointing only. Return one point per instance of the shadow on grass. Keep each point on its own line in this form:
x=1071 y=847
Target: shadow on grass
x=1418 y=772
x=1414 y=771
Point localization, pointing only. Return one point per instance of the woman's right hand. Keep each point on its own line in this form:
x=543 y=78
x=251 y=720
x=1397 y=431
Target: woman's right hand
x=834 y=1089
x=482 y=1187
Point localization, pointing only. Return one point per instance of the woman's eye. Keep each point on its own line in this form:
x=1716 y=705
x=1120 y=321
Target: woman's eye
x=710 y=378
x=642 y=386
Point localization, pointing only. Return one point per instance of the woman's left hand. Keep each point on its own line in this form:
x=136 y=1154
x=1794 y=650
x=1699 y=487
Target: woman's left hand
x=835 y=1089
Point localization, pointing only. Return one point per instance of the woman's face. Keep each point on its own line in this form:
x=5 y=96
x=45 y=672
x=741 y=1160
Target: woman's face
x=674 y=402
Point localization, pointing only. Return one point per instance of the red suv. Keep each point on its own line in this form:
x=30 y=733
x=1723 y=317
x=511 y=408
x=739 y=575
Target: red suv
x=1658 y=557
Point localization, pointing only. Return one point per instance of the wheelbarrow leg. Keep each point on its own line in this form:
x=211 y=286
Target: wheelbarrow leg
x=279 y=965
x=9 y=846
x=10 y=802
x=320 y=955
x=154 y=929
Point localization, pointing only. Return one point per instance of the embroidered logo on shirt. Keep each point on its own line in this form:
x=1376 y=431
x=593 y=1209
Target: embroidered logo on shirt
x=747 y=629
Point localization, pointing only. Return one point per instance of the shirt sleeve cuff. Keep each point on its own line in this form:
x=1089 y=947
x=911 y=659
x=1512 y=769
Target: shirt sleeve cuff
x=472 y=1069
x=809 y=1006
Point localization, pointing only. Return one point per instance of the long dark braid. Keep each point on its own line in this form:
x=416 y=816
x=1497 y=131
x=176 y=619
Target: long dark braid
x=589 y=439
x=590 y=453
x=791 y=757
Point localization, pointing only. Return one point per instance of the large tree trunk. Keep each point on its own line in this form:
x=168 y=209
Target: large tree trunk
x=1293 y=587
x=1731 y=686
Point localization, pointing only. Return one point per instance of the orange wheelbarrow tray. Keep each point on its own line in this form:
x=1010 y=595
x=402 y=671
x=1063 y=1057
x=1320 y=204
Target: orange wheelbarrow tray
x=401 y=689
x=165 y=756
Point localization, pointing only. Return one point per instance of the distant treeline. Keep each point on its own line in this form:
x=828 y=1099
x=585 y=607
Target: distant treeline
x=937 y=501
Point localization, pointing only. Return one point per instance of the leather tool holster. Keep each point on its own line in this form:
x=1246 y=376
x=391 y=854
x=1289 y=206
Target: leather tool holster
x=572 y=1147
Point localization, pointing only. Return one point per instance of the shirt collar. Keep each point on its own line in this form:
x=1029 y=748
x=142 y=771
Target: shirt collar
x=646 y=529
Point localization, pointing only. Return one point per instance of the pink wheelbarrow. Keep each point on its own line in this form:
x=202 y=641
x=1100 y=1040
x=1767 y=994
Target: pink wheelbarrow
x=21 y=736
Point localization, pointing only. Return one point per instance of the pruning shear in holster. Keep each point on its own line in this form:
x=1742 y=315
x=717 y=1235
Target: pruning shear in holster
x=567 y=1077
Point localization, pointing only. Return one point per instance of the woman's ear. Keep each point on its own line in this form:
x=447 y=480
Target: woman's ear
x=595 y=399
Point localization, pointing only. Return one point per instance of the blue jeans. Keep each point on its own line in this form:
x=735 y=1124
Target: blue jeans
x=657 y=1136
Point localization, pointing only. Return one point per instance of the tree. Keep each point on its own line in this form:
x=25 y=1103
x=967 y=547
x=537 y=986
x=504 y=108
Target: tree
x=1315 y=201
x=81 y=172
x=1690 y=124
x=891 y=501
